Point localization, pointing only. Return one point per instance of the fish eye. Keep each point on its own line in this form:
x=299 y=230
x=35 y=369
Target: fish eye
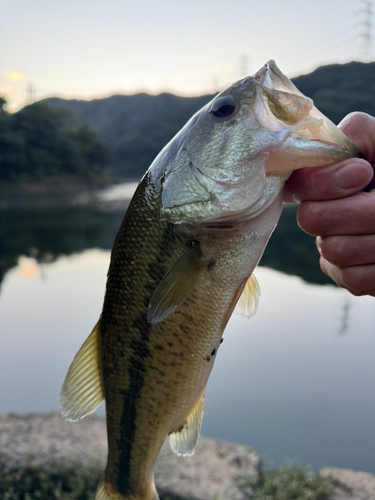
x=224 y=106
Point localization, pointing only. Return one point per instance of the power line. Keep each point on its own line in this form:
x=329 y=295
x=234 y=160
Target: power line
x=30 y=93
x=359 y=32
x=367 y=49
x=244 y=66
x=330 y=43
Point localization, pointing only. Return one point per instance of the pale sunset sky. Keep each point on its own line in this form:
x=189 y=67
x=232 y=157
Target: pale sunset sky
x=87 y=49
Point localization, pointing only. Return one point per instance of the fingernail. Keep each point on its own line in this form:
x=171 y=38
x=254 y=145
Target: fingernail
x=352 y=176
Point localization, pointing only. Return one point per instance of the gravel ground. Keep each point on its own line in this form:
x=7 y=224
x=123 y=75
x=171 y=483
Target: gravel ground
x=359 y=485
x=217 y=469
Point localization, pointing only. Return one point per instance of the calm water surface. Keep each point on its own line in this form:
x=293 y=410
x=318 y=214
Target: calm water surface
x=298 y=379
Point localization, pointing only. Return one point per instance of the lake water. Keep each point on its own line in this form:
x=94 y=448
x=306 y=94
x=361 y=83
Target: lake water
x=298 y=379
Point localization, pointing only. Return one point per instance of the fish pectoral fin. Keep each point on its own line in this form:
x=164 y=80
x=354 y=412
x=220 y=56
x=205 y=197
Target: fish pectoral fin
x=184 y=440
x=248 y=304
x=176 y=285
x=82 y=391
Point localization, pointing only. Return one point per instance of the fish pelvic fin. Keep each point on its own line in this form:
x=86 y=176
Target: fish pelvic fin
x=106 y=491
x=82 y=391
x=176 y=285
x=248 y=304
x=184 y=440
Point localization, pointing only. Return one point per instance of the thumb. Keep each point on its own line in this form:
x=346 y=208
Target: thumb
x=328 y=183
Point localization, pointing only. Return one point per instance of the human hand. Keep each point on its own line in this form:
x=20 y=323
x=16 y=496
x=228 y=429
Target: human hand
x=334 y=209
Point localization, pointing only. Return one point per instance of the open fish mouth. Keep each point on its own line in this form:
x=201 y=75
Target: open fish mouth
x=300 y=135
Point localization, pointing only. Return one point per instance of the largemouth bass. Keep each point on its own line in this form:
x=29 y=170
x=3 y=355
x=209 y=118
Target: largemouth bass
x=183 y=258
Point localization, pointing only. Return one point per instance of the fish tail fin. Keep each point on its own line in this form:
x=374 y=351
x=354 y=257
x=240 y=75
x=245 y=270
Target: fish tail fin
x=106 y=491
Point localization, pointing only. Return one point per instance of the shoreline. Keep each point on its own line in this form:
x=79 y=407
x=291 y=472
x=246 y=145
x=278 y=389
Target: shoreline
x=64 y=185
x=217 y=468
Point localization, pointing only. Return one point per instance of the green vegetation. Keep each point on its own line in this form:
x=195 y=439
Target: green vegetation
x=39 y=142
x=135 y=127
x=291 y=483
x=79 y=483
x=32 y=483
x=66 y=483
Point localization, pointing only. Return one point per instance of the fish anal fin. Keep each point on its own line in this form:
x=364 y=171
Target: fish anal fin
x=176 y=285
x=248 y=304
x=82 y=391
x=184 y=440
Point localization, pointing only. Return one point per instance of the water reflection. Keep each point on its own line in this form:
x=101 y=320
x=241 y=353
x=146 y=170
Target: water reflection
x=45 y=226
x=284 y=382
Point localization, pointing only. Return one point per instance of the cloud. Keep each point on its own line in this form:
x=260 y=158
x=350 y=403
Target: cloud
x=14 y=76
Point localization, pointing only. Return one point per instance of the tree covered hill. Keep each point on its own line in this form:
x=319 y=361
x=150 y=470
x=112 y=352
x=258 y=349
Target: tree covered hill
x=39 y=142
x=137 y=127
x=339 y=89
x=81 y=138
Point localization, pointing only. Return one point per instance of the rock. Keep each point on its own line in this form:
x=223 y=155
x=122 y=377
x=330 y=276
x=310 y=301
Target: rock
x=351 y=484
x=217 y=470
x=50 y=441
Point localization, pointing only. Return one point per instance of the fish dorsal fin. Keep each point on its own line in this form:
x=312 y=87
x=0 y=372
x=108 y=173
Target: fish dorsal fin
x=82 y=391
x=184 y=440
x=248 y=304
x=176 y=285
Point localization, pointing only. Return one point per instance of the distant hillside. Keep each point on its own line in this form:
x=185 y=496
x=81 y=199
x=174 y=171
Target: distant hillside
x=339 y=89
x=137 y=127
x=39 y=144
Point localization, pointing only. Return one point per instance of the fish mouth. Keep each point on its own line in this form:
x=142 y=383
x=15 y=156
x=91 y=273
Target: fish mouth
x=299 y=134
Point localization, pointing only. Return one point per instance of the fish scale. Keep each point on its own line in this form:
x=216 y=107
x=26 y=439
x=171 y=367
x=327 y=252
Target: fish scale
x=156 y=353
x=182 y=262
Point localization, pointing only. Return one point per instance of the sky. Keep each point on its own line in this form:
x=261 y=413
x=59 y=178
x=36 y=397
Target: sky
x=93 y=48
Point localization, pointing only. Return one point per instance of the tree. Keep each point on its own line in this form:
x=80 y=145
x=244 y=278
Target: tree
x=37 y=143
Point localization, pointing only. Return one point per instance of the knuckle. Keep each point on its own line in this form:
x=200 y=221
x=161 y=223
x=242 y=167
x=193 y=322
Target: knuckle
x=334 y=250
x=352 y=279
x=308 y=217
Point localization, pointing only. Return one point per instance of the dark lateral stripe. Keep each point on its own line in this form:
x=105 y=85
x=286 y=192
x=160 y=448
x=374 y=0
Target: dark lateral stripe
x=137 y=364
x=129 y=412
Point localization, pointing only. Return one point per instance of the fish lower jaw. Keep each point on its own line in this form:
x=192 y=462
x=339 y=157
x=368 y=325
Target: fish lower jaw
x=238 y=220
x=298 y=152
x=231 y=220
